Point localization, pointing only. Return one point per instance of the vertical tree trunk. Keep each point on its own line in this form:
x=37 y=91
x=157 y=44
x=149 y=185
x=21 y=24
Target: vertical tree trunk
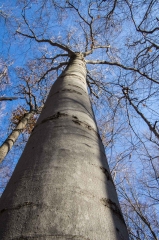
x=61 y=187
x=9 y=142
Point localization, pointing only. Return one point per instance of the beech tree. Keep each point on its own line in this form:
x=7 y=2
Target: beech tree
x=117 y=41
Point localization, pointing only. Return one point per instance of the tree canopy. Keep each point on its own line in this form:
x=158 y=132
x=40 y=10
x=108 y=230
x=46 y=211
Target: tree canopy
x=119 y=41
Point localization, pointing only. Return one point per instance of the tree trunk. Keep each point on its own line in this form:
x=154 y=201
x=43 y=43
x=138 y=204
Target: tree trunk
x=62 y=188
x=9 y=142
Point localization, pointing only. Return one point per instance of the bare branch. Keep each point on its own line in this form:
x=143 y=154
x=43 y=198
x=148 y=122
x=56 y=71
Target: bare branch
x=122 y=66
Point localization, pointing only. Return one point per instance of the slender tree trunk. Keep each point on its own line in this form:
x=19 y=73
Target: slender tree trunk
x=62 y=187
x=9 y=142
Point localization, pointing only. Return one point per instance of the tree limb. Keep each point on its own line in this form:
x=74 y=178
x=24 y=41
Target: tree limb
x=122 y=66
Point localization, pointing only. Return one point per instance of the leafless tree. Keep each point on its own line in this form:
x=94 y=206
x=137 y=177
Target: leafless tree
x=119 y=42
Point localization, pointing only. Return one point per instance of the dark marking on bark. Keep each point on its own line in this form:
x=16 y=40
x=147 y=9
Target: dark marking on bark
x=87 y=145
x=18 y=130
x=68 y=90
x=18 y=206
x=77 y=87
x=71 y=91
x=55 y=116
x=70 y=74
x=83 y=123
x=77 y=121
x=113 y=206
x=107 y=174
x=9 y=139
x=74 y=117
x=104 y=170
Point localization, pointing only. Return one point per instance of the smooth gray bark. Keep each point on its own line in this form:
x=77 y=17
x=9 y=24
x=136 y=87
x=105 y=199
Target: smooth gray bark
x=62 y=187
x=11 y=139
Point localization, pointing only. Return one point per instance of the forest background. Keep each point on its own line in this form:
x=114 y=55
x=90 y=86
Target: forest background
x=121 y=40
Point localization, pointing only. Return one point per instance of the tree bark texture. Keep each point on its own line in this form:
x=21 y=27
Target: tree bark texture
x=9 y=142
x=62 y=187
